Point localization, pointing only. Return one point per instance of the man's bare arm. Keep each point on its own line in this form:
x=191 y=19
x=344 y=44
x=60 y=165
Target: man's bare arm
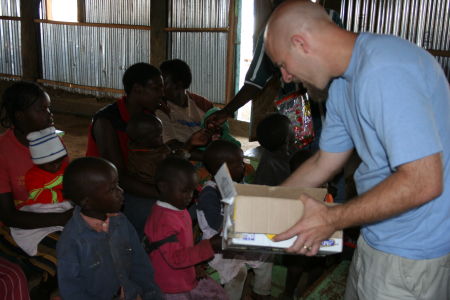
x=317 y=170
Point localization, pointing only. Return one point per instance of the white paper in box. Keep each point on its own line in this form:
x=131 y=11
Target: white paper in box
x=253 y=214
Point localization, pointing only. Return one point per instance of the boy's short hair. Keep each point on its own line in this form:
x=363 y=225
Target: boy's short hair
x=82 y=176
x=139 y=73
x=217 y=153
x=178 y=70
x=273 y=131
x=142 y=124
x=172 y=166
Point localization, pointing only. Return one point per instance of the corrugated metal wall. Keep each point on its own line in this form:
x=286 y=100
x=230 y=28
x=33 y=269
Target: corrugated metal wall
x=133 y=12
x=92 y=56
x=205 y=52
x=423 y=22
x=10 y=55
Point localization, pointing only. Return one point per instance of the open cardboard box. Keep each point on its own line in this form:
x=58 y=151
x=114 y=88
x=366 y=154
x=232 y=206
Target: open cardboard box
x=253 y=214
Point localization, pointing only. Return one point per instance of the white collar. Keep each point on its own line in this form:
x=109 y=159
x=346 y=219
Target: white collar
x=167 y=205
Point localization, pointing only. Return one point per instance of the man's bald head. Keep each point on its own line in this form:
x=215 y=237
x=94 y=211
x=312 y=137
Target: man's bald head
x=298 y=39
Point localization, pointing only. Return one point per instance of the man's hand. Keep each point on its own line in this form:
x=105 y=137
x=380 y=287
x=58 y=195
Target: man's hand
x=314 y=227
x=215 y=120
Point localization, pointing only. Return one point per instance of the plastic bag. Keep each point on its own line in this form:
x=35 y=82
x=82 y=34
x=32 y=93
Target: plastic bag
x=297 y=108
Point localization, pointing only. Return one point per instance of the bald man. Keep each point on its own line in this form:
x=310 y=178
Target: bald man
x=390 y=101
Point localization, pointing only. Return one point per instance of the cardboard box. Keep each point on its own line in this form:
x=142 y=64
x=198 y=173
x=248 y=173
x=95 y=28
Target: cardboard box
x=253 y=214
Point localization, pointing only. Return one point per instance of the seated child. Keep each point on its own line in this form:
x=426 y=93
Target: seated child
x=145 y=147
x=273 y=135
x=232 y=271
x=169 y=230
x=99 y=254
x=186 y=108
x=44 y=185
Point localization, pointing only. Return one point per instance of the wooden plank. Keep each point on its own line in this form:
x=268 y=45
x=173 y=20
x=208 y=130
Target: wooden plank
x=10 y=76
x=441 y=53
x=125 y=26
x=179 y=29
x=29 y=9
x=78 y=86
x=10 y=18
x=81 y=10
x=158 y=37
x=231 y=49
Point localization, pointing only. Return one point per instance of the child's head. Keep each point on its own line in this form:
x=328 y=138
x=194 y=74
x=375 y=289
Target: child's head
x=176 y=181
x=145 y=130
x=221 y=151
x=177 y=77
x=46 y=149
x=299 y=158
x=273 y=132
x=93 y=184
x=25 y=106
x=144 y=82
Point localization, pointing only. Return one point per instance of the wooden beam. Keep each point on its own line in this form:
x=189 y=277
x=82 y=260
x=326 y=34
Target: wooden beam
x=230 y=63
x=10 y=76
x=78 y=86
x=441 y=53
x=158 y=38
x=29 y=10
x=81 y=10
x=10 y=18
x=125 y=26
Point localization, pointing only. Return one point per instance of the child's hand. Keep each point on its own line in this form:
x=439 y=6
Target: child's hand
x=216 y=243
x=199 y=138
x=200 y=271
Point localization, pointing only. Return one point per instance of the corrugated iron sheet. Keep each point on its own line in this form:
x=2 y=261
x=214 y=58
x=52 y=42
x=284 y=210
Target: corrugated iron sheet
x=423 y=22
x=205 y=53
x=10 y=48
x=134 y=12
x=198 y=13
x=91 y=56
x=10 y=8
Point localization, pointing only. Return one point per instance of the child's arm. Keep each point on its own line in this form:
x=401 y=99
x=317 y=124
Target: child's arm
x=142 y=270
x=179 y=256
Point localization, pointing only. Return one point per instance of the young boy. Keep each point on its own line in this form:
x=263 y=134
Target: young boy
x=44 y=185
x=232 y=271
x=169 y=231
x=99 y=254
x=273 y=135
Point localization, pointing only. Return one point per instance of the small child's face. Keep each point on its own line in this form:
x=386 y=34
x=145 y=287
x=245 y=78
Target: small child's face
x=179 y=190
x=53 y=166
x=236 y=166
x=108 y=195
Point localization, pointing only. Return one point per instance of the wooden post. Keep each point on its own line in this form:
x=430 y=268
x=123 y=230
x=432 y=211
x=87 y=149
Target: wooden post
x=158 y=38
x=29 y=10
x=81 y=7
x=231 y=49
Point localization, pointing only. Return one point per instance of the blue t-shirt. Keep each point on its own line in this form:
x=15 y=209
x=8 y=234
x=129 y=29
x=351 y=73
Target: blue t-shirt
x=393 y=106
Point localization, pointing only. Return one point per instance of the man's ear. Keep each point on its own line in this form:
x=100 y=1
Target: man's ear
x=299 y=42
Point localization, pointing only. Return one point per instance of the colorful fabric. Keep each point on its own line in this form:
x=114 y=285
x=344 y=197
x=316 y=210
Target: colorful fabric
x=97 y=265
x=13 y=283
x=15 y=161
x=44 y=187
x=225 y=127
x=118 y=115
x=175 y=262
x=392 y=105
x=183 y=121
